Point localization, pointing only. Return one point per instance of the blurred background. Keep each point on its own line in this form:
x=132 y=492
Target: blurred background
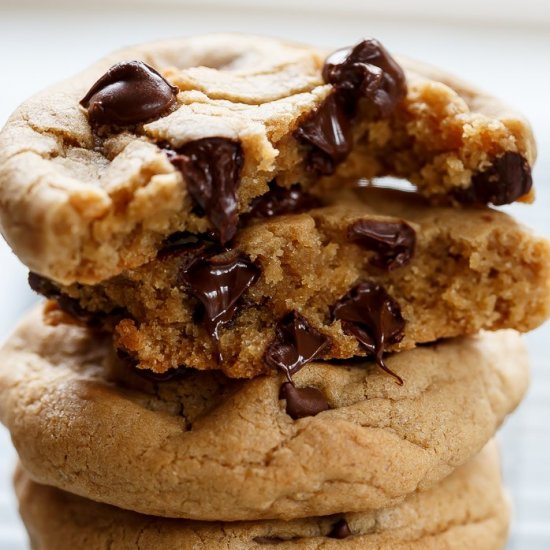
x=502 y=46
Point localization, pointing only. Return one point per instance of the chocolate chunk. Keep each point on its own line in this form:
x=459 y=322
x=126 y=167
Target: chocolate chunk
x=327 y=133
x=184 y=242
x=212 y=170
x=296 y=343
x=282 y=200
x=129 y=93
x=302 y=402
x=367 y=70
x=393 y=242
x=340 y=530
x=506 y=180
x=219 y=282
x=69 y=305
x=370 y=314
x=269 y=540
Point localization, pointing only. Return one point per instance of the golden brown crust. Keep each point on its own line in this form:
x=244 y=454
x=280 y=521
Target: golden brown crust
x=467 y=511
x=205 y=447
x=74 y=211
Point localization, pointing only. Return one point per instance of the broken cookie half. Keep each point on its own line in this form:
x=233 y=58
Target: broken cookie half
x=98 y=171
x=360 y=273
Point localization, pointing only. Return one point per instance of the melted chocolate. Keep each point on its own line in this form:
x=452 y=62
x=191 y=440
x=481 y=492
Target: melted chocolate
x=302 y=402
x=212 y=170
x=219 y=282
x=129 y=93
x=367 y=70
x=370 y=314
x=186 y=243
x=328 y=134
x=340 y=530
x=296 y=343
x=506 y=180
x=282 y=200
x=393 y=242
x=69 y=305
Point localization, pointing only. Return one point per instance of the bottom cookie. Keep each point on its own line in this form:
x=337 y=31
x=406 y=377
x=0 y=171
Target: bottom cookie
x=468 y=510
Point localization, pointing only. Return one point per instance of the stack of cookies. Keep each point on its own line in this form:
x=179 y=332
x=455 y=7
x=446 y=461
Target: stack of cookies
x=246 y=341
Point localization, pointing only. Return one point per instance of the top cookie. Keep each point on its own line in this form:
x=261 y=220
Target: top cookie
x=93 y=177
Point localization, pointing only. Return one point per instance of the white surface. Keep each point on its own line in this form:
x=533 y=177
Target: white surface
x=42 y=45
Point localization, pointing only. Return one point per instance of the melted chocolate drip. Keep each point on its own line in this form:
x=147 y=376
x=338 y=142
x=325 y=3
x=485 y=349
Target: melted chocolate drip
x=302 y=402
x=364 y=71
x=393 y=242
x=212 y=170
x=506 y=180
x=340 y=530
x=219 y=282
x=129 y=93
x=370 y=314
x=367 y=70
x=296 y=343
x=328 y=133
x=69 y=305
x=282 y=200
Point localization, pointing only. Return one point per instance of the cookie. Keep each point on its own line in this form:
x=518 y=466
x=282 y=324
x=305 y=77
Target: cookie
x=201 y=446
x=335 y=270
x=468 y=510
x=97 y=171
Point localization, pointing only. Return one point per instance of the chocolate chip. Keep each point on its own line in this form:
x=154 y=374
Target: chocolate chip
x=184 y=242
x=506 y=180
x=367 y=70
x=129 y=93
x=393 y=242
x=219 y=282
x=282 y=200
x=340 y=530
x=302 y=402
x=212 y=170
x=296 y=343
x=327 y=133
x=71 y=306
x=370 y=314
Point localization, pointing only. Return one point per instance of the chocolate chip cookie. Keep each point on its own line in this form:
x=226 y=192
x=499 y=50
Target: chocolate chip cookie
x=469 y=509
x=97 y=171
x=357 y=273
x=198 y=445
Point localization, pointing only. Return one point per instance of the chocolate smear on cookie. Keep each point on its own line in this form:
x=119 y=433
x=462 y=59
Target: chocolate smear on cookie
x=130 y=92
x=302 y=402
x=212 y=168
x=282 y=200
x=393 y=242
x=296 y=343
x=219 y=283
x=340 y=530
x=505 y=181
x=370 y=314
x=365 y=71
x=328 y=134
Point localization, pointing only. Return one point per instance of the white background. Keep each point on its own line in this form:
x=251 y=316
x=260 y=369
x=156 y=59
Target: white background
x=502 y=46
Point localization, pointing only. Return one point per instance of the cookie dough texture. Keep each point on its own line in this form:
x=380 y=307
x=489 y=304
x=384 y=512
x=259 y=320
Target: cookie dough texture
x=75 y=209
x=466 y=511
x=472 y=269
x=209 y=448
